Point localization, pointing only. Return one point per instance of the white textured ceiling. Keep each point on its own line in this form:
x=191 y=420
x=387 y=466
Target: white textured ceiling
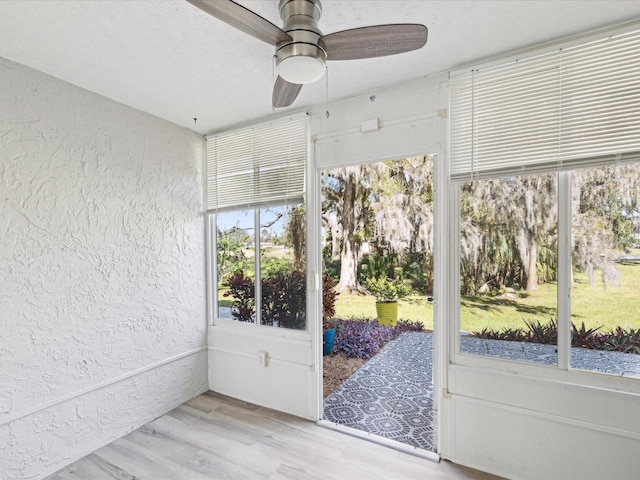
x=172 y=60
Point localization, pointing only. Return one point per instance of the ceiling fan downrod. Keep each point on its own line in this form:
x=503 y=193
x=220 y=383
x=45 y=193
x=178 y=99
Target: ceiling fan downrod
x=302 y=59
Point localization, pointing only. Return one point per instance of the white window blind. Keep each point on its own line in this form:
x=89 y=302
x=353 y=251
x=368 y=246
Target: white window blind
x=257 y=166
x=575 y=107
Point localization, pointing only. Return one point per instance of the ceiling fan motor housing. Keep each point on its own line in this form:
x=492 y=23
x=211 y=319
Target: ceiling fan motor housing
x=301 y=60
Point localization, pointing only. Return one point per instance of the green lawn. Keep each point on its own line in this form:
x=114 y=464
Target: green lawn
x=364 y=306
x=595 y=306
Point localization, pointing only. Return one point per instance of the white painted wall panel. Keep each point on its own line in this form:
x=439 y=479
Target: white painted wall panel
x=561 y=397
x=285 y=384
x=282 y=344
x=409 y=124
x=101 y=269
x=518 y=445
x=41 y=443
x=547 y=424
x=410 y=137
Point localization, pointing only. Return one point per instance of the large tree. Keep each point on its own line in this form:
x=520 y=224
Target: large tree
x=347 y=197
x=505 y=223
x=387 y=203
x=535 y=213
x=509 y=227
x=605 y=218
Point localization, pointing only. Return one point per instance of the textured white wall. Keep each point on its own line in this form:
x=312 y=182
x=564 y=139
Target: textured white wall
x=102 y=305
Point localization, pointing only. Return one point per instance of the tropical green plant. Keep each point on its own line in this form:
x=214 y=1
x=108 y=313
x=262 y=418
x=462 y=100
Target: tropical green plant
x=242 y=290
x=585 y=337
x=546 y=333
x=620 y=339
x=329 y=295
x=386 y=290
x=284 y=299
x=377 y=264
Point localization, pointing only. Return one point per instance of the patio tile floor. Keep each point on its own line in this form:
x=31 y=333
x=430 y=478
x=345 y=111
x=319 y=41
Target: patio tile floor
x=616 y=363
x=392 y=394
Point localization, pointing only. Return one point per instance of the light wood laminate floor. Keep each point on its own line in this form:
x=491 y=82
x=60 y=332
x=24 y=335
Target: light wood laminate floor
x=217 y=437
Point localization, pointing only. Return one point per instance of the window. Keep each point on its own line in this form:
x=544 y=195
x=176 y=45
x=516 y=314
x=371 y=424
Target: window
x=605 y=282
x=264 y=244
x=236 y=249
x=508 y=274
x=545 y=152
x=255 y=193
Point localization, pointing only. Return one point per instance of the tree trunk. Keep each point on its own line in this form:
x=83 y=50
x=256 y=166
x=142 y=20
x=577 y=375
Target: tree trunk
x=532 y=269
x=528 y=250
x=297 y=234
x=348 y=266
x=334 y=229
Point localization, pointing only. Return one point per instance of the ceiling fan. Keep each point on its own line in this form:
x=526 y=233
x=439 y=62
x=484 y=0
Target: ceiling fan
x=302 y=50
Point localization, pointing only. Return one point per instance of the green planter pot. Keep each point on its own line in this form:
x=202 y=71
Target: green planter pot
x=387 y=313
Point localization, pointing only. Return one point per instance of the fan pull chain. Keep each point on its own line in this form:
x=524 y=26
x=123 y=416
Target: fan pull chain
x=273 y=75
x=326 y=96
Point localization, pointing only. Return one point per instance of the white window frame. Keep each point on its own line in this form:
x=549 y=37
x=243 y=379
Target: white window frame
x=212 y=268
x=562 y=372
x=211 y=259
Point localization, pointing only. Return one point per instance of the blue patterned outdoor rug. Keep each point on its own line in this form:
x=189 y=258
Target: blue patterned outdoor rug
x=392 y=394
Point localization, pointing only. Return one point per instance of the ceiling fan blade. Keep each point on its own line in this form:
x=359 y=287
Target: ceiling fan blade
x=374 y=41
x=243 y=19
x=284 y=93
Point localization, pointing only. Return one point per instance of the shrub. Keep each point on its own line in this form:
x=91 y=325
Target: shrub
x=386 y=290
x=243 y=291
x=507 y=334
x=407 y=326
x=365 y=338
x=585 y=337
x=546 y=333
x=620 y=339
x=271 y=266
x=361 y=338
x=284 y=298
x=329 y=295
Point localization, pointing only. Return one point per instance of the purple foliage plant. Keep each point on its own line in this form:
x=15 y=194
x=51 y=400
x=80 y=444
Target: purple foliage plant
x=364 y=338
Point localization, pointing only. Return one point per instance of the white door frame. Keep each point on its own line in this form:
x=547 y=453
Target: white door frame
x=440 y=250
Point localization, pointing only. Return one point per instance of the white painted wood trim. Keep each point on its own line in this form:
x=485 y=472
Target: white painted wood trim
x=56 y=401
x=314 y=267
x=386 y=123
x=564 y=270
x=271 y=360
x=211 y=246
x=549 y=416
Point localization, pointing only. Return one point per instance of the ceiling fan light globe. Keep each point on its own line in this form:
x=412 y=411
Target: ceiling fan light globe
x=301 y=69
